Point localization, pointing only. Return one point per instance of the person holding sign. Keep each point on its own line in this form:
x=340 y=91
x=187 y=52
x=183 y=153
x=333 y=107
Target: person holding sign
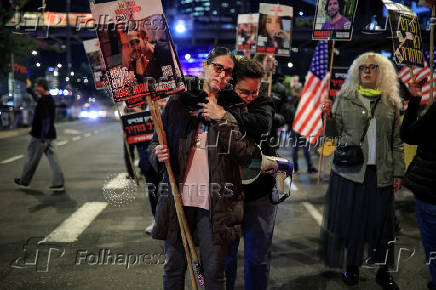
x=368 y=166
x=421 y=173
x=206 y=148
x=336 y=20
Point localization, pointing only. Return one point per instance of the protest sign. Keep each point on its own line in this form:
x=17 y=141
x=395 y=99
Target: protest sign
x=275 y=29
x=138 y=127
x=334 y=19
x=95 y=58
x=247 y=32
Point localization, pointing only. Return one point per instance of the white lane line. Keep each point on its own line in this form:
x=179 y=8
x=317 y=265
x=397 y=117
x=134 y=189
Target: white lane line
x=87 y=135
x=72 y=227
x=95 y=131
x=313 y=212
x=12 y=159
x=72 y=132
x=77 y=138
x=119 y=182
x=61 y=142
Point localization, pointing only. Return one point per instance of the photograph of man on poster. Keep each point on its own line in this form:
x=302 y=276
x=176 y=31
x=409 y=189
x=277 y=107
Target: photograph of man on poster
x=336 y=21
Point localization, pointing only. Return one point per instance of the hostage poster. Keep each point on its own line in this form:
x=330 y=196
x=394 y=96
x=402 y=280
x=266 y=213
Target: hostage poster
x=275 y=29
x=95 y=58
x=406 y=35
x=339 y=74
x=138 y=127
x=247 y=32
x=137 y=49
x=334 y=19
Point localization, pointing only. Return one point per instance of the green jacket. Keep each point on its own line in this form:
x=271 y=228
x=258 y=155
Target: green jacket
x=352 y=113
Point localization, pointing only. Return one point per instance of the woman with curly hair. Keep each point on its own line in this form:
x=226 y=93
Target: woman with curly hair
x=359 y=206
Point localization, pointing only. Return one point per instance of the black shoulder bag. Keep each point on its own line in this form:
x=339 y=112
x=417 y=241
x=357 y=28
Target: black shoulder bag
x=347 y=156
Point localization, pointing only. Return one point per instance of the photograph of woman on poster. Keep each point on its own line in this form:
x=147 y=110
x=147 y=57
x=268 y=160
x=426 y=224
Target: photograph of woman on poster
x=336 y=21
x=273 y=27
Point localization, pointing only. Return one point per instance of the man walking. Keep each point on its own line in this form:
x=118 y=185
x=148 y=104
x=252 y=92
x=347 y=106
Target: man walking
x=42 y=135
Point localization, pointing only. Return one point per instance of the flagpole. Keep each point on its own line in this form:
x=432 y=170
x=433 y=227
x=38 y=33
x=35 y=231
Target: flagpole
x=325 y=115
x=433 y=14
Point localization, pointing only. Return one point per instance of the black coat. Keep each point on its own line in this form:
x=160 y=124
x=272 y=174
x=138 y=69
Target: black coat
x=233 y=148
x=43 y=118
x=421 y=175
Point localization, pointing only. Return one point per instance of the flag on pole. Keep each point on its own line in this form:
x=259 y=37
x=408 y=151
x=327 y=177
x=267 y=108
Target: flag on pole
x=308 y=119
x=419 y=72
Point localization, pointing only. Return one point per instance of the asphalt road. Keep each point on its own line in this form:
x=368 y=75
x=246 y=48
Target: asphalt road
x=81 y=240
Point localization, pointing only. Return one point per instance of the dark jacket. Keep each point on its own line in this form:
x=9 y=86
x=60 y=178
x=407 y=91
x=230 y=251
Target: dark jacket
x=421 y=173
x=257 y=120
x=43 y=118
x=228 y=149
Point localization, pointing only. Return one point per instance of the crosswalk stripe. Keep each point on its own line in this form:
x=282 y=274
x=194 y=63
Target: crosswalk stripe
x=72 y=227
x=12 y=159
x=77 y=138
x=313 y=212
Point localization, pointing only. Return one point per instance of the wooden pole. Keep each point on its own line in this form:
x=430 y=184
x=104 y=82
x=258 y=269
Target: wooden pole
x=325 y=115
x=132 y=164
x=433 y=14
x=184 y=228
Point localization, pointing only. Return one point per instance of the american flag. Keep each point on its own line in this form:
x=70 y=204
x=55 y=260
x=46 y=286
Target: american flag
x=419 y=72
x=308 y=121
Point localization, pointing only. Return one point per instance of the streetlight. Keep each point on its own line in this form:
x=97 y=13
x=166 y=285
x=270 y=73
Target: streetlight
x=34 y=52
x=38 y=64
x=59 y=65
x=290 y=64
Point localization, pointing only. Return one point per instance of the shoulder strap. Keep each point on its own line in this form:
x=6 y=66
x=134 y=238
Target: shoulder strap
x=369 y=120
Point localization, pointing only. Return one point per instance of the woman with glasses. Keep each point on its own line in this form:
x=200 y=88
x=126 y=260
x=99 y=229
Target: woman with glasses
x=359 y=208
x=206 y=148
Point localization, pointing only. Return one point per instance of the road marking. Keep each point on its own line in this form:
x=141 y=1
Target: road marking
x=95 y=131
x=87 y=135
x=313 y=212
x=72 y=132
x=61 y=143
x=119 y=182
x=77 y=138
x=12 y=159
x=72 y=227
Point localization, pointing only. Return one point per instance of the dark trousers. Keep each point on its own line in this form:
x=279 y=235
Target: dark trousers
x=259 y=221
x=299 y=141
x=212 y=256
x=426 y=216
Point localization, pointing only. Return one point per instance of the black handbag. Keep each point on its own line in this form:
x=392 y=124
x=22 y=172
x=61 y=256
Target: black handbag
x=346 y=156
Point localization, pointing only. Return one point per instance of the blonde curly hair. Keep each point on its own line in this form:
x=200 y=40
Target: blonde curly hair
x=387 y=80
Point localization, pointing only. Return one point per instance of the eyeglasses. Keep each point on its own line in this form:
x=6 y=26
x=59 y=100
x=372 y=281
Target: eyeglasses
x=218 y=68
x=371 y=67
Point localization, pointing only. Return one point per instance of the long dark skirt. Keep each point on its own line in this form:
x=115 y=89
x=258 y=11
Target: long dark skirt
x=357 y=215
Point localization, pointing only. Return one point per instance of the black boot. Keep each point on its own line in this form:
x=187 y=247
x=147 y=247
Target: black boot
x=385 y=280
x=351 y=276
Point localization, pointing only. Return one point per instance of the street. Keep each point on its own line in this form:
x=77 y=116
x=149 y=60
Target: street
x=89 y=243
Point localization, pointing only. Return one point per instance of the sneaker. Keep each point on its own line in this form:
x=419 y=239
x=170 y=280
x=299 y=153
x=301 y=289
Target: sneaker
x=17 y=181
x=385 y=280
x=57 y=188
x=149 y=228
x=351 y=276
x=312 y=170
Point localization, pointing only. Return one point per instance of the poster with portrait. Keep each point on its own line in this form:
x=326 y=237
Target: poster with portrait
x=246 y=35
x=334 y=19
x=406 y=35
x=95 y=59
x=275 y=29
x=137 y=49
x=138 y=127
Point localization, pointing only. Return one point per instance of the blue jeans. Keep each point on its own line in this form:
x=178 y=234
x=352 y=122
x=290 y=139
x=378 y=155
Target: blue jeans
x=258 y=226
x=426 y=216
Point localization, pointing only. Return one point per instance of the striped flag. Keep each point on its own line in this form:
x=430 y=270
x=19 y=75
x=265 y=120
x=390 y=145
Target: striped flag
x=308 y=121
x=419 y=72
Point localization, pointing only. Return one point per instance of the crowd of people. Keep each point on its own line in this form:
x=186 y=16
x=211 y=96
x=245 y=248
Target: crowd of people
x=214 y=129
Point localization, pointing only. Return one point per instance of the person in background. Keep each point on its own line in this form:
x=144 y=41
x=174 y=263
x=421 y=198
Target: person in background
x=359 y=206
x=420 y=177
x=42 y=135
